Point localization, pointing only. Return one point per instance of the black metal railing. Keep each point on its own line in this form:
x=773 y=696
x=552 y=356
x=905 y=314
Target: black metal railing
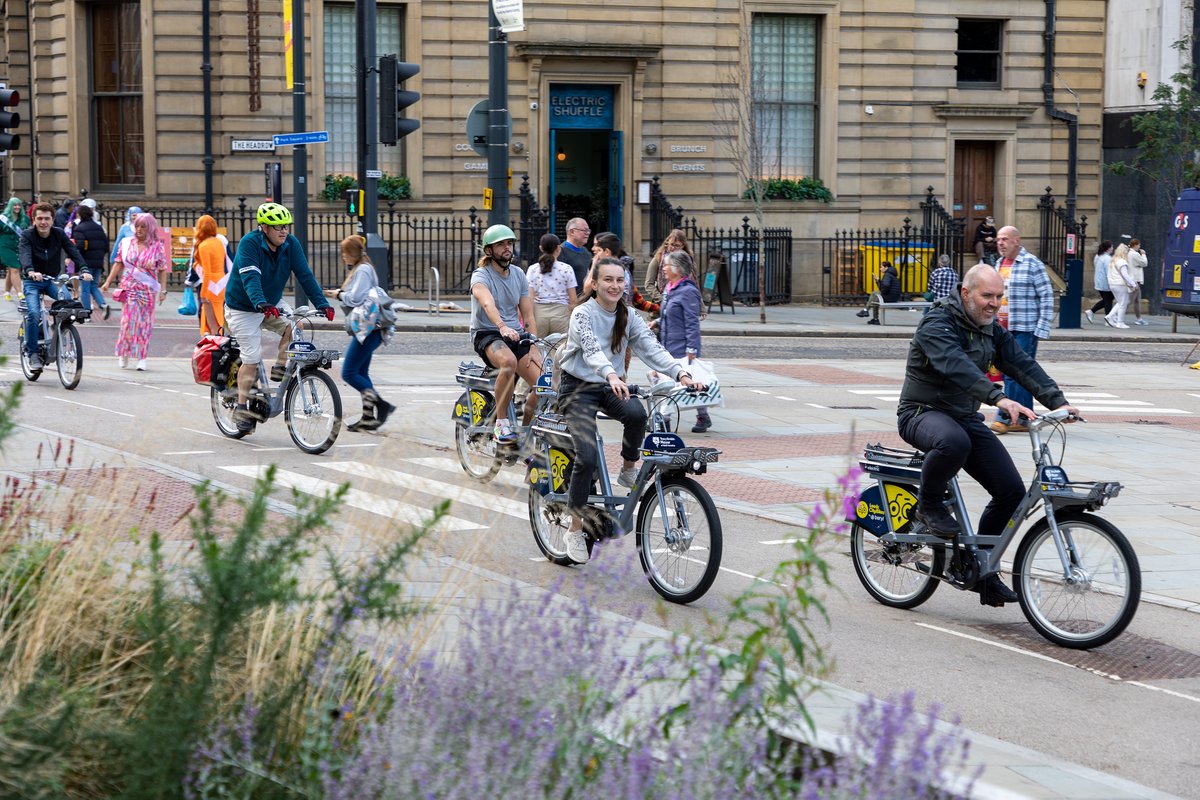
x=851 y=261
x=737 y=251
x=942 y=230
x=535 y=223
x=663 y=218
x=1057 y=226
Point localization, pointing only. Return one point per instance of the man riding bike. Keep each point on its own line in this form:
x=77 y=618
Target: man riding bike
x=264 y=261
x=499 y=303
x=40 y=251
x=945 y=381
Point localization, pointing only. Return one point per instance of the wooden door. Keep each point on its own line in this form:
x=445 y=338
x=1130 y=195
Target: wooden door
x=974 y=183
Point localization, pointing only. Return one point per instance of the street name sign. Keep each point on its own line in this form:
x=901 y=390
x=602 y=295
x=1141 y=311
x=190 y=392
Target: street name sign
x=307 y=137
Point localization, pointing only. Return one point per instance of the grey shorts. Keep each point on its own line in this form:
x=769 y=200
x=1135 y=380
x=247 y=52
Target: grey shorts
x=246 y=327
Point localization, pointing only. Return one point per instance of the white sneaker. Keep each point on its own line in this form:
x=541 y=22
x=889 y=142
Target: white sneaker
x=628 y=477
x=1091 y=315
x=1120 y=325
x=576 y=545
x=141 y=365
x=504 y=433
x=122 y=362
x=1141 y=322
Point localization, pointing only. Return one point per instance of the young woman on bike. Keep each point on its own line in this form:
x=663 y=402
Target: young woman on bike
x=593 y=372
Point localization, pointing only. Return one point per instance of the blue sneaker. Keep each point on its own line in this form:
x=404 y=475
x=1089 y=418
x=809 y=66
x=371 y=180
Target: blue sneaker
x=504 y=433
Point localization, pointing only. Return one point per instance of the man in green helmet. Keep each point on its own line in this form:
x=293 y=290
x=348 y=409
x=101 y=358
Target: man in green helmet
x=265 y=259
x=499 y=302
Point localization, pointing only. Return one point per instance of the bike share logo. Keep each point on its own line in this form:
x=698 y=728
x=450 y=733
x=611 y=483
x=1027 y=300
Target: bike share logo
x=900 y=503
x=478 y=401
x=560 y=465
x=659 y=442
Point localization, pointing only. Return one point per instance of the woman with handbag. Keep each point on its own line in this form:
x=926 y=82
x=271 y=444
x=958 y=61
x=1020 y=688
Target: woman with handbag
x=360 y=296
x=679 y=323
x=143 y=266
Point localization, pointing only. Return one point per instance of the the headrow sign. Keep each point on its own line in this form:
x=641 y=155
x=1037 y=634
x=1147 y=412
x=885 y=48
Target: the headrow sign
x=252 y=145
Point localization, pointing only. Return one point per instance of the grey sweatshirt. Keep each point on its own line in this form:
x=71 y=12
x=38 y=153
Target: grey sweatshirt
x=588 y=353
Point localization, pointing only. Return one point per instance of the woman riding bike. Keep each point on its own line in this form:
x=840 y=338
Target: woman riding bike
x=593 y=371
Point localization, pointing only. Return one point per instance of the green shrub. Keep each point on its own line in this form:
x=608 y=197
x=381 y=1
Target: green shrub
x=807 y=188
x=389 y=187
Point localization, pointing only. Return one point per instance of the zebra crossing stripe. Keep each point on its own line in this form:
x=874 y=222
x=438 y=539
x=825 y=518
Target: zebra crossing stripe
x=356 y=498
x=488 y=501
x=511 y=476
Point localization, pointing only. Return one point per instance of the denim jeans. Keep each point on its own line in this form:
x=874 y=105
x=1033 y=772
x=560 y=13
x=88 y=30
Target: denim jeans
x=90 y=289
x=1027 y=341
x=358 y=360
x=579 y=402
x=952 y=443
x=33 y=317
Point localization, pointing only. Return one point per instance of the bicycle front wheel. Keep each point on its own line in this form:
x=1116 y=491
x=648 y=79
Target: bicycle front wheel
x=476 y=453
x=69 y=357
x=897 y=575
x=31 y=374
x=313 y=410
x=682 y=554
x=549 y=523
x=1092 y=602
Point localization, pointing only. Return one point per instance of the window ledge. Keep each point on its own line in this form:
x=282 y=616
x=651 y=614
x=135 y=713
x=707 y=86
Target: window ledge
x=992 y=111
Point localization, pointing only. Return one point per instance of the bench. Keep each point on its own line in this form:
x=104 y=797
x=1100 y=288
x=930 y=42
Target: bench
x=899 y=305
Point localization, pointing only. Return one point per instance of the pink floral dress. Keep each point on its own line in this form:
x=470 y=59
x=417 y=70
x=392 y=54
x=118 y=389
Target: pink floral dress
x=139 y=280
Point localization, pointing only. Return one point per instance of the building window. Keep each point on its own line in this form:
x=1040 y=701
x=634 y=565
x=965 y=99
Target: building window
x=978 y=53
x=119 y=133
x=783 y=66
x=341 y=105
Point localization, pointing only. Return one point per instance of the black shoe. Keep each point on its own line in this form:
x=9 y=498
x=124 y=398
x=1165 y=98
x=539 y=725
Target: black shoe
x=107 y=312
x=243 y=418
x=702 y=425
x=863 y=313
x=874 y=321
x=35 y=362
x=937 y=520
x=995 y=592
x=278 y=372
x=383 y=410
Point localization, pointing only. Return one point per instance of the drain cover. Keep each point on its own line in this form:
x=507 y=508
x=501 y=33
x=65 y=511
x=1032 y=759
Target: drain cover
x=1128 y=657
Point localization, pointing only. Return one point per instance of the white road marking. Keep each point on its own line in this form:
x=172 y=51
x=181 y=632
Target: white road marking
x=759 y=391
x=1129 y=410
x=87 y=405
x=360 y=444
x=814 y=405
x=784 y=397
x=779 y=541
x=510 y=477
x=485 y=500
x=356 y=498
x=188 y=453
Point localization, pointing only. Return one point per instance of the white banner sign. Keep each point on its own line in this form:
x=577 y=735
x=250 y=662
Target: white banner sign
x=511 y=15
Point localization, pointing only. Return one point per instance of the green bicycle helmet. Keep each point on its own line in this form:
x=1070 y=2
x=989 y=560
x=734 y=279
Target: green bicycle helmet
x=274 y=214
x=498 y=233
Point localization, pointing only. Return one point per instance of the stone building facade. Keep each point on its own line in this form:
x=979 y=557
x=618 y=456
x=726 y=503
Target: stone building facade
x=878 y=99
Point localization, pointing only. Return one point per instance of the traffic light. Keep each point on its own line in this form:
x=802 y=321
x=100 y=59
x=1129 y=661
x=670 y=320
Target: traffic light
x=393 y=126
x=9 y=120
x=354 y=202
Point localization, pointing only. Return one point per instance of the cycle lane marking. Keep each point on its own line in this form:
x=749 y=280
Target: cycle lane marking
x=356 y=498
x=404 y=480
x=87 y=405
x=1052 y=660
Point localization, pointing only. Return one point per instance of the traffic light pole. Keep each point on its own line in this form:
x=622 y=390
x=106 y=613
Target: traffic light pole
x=368 y=139
x=498 y=132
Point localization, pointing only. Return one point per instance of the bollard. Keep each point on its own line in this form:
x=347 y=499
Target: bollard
x=1070 y=303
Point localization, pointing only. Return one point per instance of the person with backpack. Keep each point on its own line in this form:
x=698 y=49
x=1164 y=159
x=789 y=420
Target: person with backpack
x=362 y=297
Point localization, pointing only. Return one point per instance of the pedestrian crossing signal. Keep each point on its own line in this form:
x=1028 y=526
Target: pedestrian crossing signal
x=354 y=202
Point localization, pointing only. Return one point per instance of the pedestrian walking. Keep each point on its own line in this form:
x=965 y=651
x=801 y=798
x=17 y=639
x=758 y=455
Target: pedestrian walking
x=211 y=263
x=89 y=236
x=1121 y=283
x=124 y=232
x=575 y=251
x=359 y=291
x=142 y=267
x=656 y=277
x=679 y=322
x=1100 y=280
x=552 y=287
x=12 y=222
x=1137 y=270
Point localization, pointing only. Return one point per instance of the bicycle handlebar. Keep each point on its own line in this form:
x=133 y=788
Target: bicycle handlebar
x=1058 y=415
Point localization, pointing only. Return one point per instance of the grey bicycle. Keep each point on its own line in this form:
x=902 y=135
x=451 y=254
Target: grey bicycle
x=307 y=397
x=1075 y=574
x=58 y=339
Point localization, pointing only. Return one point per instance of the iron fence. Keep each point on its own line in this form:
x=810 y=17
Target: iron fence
x=851 y=261
x=942 y=230
x=737 y=250
x=1057 y=224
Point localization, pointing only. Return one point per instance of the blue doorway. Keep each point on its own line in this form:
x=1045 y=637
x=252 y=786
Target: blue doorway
x=585 y=157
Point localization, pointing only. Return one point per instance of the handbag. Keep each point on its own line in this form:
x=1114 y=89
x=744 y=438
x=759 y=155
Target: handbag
x=374 y=312
x=188 y=307
x=703 y=372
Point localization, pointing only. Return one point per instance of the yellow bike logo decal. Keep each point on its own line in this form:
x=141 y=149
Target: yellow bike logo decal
x=559 y=463
x=477 y=404
x=900 y=502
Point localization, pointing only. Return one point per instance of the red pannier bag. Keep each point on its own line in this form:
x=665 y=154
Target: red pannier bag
x=212 y=359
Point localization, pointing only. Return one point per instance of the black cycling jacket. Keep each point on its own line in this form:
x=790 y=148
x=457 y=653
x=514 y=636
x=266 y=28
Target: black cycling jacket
x=948 y=360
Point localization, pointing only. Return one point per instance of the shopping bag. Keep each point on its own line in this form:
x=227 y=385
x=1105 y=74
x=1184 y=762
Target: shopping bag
x=703 y=372
x=188 y=307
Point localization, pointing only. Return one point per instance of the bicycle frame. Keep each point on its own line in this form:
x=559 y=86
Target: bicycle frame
x=897 y=475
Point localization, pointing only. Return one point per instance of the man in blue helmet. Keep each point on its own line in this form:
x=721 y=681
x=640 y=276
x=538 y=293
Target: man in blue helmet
x=265 y=259
x=499 y=303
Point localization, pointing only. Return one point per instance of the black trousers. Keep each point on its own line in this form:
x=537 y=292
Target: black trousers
x=952 y=444
x=579 y=402
x=1105 y=302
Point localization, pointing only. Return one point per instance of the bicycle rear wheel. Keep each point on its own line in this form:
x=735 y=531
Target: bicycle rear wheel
x=682 y=557
x=222 y=402
x=69 y=357
x=313 y=410
x=31 y=374
x=897 y=575
x=1097 y=601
